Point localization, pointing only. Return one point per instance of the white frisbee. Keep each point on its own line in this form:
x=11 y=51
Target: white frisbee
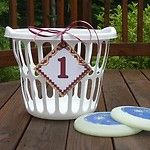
x=136 y=117
x=101 y=124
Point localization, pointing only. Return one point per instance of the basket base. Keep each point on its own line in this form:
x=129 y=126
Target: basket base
x=59 y=111
x=58 y=116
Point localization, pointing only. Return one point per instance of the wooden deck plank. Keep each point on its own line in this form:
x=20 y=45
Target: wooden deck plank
x=79 y=141
x=146 y=73
x=139 y=85
x=44 y=134
x=7 y=89
x=117 y=93
x=128 y=87
x=101 y=105
x=139 y=141
x=13 y=121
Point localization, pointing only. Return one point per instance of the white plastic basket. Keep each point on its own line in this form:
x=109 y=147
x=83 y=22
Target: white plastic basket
x=35 y=90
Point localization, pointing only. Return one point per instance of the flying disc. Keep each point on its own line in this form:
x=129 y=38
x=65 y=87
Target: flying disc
x=136 y=117
x=102 y=124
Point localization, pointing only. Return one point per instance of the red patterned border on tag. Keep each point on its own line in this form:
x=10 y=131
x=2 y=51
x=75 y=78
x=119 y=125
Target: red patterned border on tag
x=45 y=61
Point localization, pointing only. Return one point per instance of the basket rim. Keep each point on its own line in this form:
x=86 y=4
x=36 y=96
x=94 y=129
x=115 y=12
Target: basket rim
x=23 y=33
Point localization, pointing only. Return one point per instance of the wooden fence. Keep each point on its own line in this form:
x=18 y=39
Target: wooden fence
x=81 y=9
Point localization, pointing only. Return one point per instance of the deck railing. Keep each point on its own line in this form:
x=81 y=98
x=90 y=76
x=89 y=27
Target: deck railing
x=81 y=9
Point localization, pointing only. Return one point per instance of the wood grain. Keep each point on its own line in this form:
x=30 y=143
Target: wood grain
x=13 y=13
x=44 y=134
x=30 y=12
x=7 y=59
x=106 y=12
x=60 y=13
x=116 y=93
x=86 y=10
x=124 y=20
x=7 y=89
x=79 y=141
x=140 y=22
x=140 y=49
x=74 y=10
x=146 y=73
x=130 y=49
x=13 y=121
x=139 y=85
x=46 y=13
x=19 y=131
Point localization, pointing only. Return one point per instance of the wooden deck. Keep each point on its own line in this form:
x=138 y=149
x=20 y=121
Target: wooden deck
x=19 y=130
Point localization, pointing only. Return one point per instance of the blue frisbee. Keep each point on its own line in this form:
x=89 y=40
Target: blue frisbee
x=102 y=124
x=136 y=117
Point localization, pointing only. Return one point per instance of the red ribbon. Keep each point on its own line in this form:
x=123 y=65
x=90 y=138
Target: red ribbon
x=84 y=25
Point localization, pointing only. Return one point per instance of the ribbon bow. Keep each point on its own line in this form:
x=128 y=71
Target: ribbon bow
x=38 y=31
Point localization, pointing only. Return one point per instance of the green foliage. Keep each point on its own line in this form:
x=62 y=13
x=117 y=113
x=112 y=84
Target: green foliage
x=8 y=74
x=3 y=7
x=122 y=62
x=116 y=21
x=147 y=24
x=12 y=73
x=4 y=42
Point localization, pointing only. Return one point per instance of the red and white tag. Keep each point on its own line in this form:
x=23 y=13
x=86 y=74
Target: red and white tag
x=63 y=68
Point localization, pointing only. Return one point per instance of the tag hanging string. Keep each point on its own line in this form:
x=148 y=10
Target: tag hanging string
x=38 y=31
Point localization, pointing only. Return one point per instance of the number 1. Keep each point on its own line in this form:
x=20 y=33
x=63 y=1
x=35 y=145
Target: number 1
x=62 y=68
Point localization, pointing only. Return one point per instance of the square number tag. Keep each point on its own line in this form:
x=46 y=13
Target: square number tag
x=63 y=68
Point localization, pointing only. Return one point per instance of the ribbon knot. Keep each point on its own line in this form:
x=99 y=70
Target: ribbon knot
x=40 y=31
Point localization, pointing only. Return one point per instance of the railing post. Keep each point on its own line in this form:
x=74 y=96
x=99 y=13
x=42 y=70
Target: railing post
x=124 y=20
x=60 y=13
x=140 y=21
x=46 y=13
x=30 y=12
x=86 y=10
x=13 y=13
x=74 y=9
x=106 y=12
